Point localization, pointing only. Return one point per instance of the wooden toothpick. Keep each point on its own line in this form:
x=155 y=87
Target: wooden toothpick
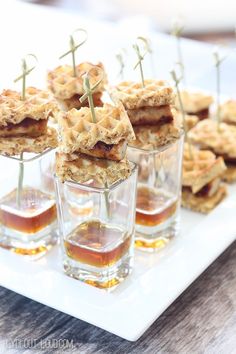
x=74 y=47
x=177 y=81
x=217 y=62
x=148 y=46
x=25 y=71
x=120 y=59
x=89 y=93
x=177 y=31
x=140 y=59
x=20 y=181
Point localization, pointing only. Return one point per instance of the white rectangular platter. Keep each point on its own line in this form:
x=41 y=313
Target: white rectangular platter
x=157 y=279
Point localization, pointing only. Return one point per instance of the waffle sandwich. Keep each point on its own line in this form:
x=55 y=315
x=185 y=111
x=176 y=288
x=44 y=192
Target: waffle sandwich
x=23 y=123
x=68 y=89
x=107 y=138
x=219 y=139
x=94 y=150
x=150 y=111
x=25 y=118
x=202 y=188
x=195 y=104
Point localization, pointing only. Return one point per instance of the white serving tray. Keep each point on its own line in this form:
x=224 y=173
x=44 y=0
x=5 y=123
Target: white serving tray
x=157 y=280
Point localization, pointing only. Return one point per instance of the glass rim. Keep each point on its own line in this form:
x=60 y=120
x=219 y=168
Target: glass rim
x=38 y=155
x=134 y=168
x=161 y=148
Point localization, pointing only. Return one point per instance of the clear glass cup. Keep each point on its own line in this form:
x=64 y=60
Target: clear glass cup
x=96 y=226
x=28 y=216
x=158 y=194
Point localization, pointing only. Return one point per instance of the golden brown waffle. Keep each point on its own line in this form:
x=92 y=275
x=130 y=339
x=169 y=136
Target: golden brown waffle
x=133 y=95
x=16 y=145
x=203 y=204
x=79 y=132
x=63 y=84
x=194 y=102
x=200 y=168
x=81 y=168
x=37 y=105
x=228 y=112
x=221 y=141
x=153 y=136
x=229 y=175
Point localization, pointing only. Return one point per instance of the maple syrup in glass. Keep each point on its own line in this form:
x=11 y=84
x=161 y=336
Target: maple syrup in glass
x=158 y=194
x=28 y=216
x=97 y=244
x=36 y=211
x=155 y=214
x=97 y=237
x=153 y=207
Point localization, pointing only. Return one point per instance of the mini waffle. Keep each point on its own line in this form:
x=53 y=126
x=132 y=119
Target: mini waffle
x=221 y=141
x=37 y=106
x=203 y=204
x=153 y=136
x=196 y=103
x=133 y=95
x=81 y=168
x=79 y=132
x=64 y=85
x=228 y=112
x=201 y=168
x=15 y=145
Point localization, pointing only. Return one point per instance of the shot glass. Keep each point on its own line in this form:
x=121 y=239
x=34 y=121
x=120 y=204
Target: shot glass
x=28 y=216
x=96 y=226
x=158 y=194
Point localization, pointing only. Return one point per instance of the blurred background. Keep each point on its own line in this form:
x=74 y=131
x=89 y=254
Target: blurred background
x=208 y=20
x=43 y=27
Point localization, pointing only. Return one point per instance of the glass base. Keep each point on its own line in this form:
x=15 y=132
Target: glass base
x=30 y=246
x=104 y=278
x=152 y=239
